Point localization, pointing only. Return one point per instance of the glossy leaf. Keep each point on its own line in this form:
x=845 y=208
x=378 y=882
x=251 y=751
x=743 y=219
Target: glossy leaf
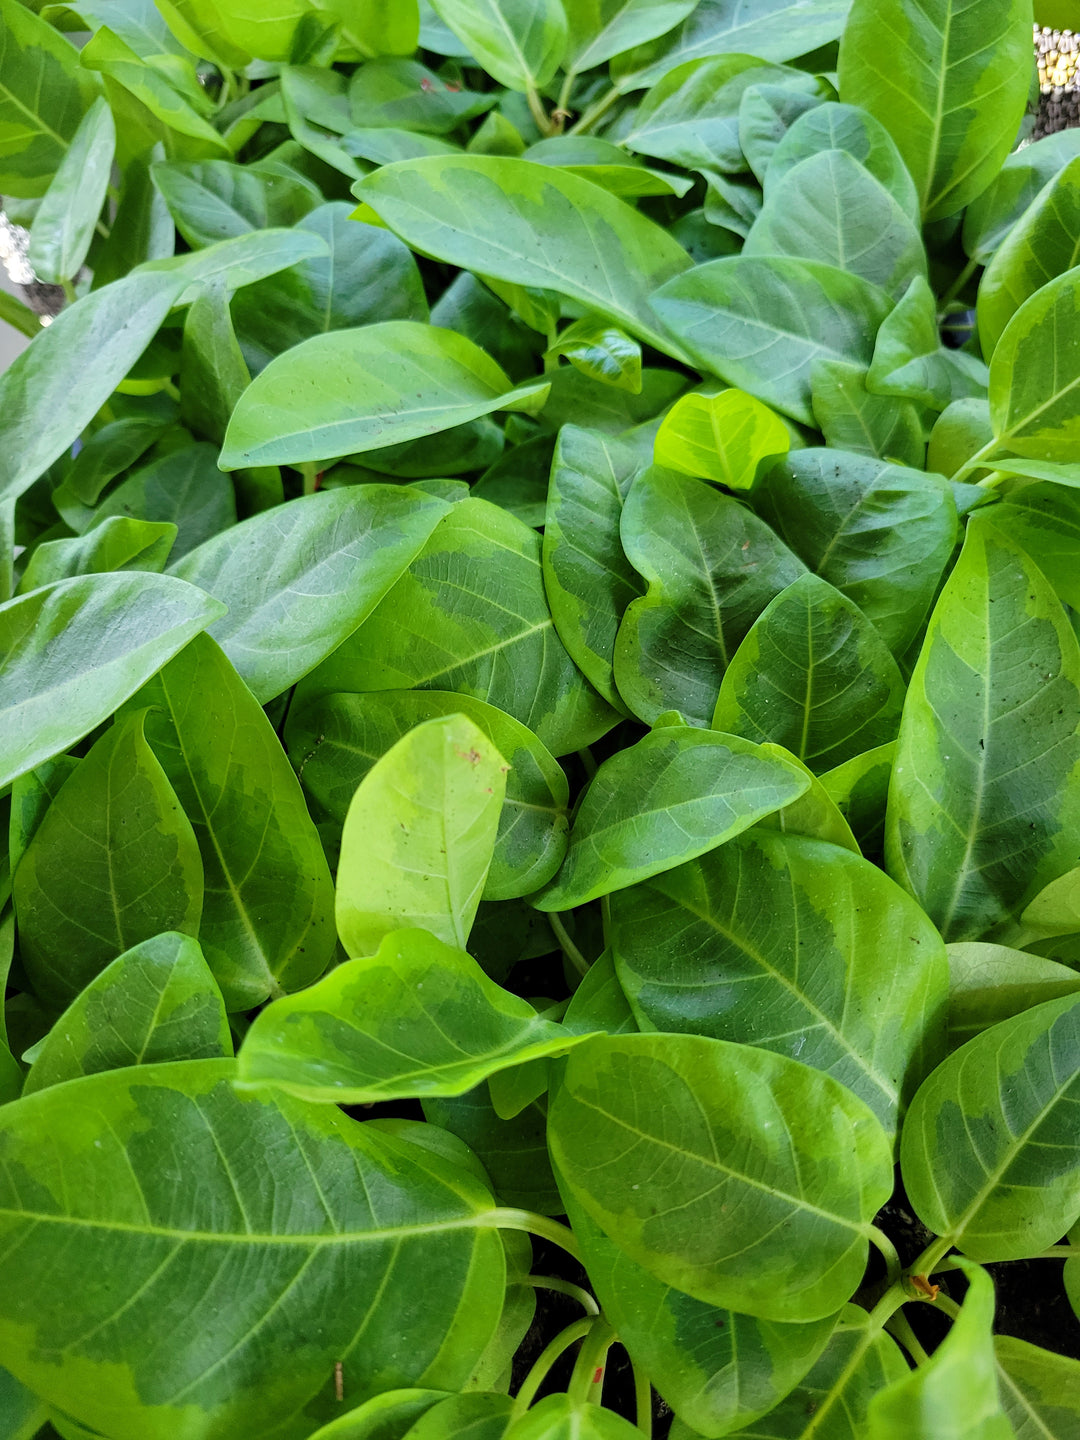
x=1024 y=173
x=175 y=1183
x=766 y=113
x=388 y=1416
x=158 y=1001
x=711 y=568
x=781 y=942
x=814 y=676
x=911 y=362
x=242 y=260
x=849 y=128
x=521 y=43
x=300 y=578
x=417 y=1018
x=1039 y=1390
x=860 y=789
x=1045 y=520
x=393 y=93
x=555 y=231
x=419 y=835
x=674 y=795
x=479 y=1415
x=184 y=489
x=852 y=417
x=659 y=1136
x=113 y=862
x=601 y=351
x=1035 y=375
x=815 y=814
x=115 y=544
x=724 y=437
x=984 y=808
x=216 y=200
x=64 y=224
x=601 y=29
x=76 y=650
x=950 y=83
x=760 y=322
x=991 y=983
x=469 y=615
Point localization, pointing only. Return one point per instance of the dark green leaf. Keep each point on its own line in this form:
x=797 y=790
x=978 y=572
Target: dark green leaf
x=1039 y=1390
x=852 y=417
x=184 y=489
x=911 y=362
x=991 y=216
x=216 y=200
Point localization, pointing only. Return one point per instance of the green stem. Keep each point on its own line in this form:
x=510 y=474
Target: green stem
x=310 y=470
x=881 y=1241
x=506 y=1218
x=1052 y=1252
x=537 y=111
x=545 y=1360
x=887 y=1306
x=899 y=1328
x=643 y=1402
x=591 y=1357
x=956 y=287
x=563 y=102
x=564 y=1287
x=928 y=1263
x=589 y=765
x=597 y=111
x=950 y=1307
x=69 y=291
x=171 y=390
x=566 y=945
x=977 y=459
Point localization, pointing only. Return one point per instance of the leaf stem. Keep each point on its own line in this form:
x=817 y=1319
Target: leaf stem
x=642 y=1401
x=563 y=102
x=596 y=112
x=893 y=1267
x=950 y=1307
x=507 y=1218
x=977 y=459
x=585 y=1384
x=564 y=1287
x=537 y=111
x=588 y=764
x=900 y=1329
x=545 y=1360
x=926 y=1264
x=566 y=945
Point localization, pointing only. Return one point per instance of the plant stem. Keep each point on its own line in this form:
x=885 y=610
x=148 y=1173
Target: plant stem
x=977 y=459
x=950 y=1307
x=1052 y=1252
x=537 y=111
x=545 y=1360
x=596 y=112
x=506 y=1218
x=563 y=102
x=310 y=471
x=585 y=755
x=881 y=1241
x=592 y=1357
x=564 y=1287
x=899 y=1328
x=566 y=945
x=642 y=1402
x=956 y=287
x=69 y=291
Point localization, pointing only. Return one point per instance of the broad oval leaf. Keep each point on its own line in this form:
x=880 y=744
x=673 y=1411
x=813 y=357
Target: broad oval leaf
x=602 y=352
x=175 y=1181
x=766 y=113
x=554 y=231
x=672 y=796
x=335 y=741
x=363 y=389
x=844 y=127
x=213 y=200
x=911 y=362
x=1039 y=1389
x=988 y=1151
x=521 y=43
x=796 y=946
x=601 y=29
x=74 y=651
x=683 y=1150
x=950 y=83
x=1035 y=374
x=760 y=322
x=984 y=805
x=853 y=417
x=813 y=675
x=417 y=1018
x=724 y=437
x=298 y=579
x=991 y=983
x=419 y=835
x=158 y=1001
x=476 y=1415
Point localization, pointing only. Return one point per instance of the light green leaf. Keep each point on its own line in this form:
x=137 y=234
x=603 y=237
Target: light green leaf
x=362 y=389
x=241 y=260
x=815 y=814
x=1035 y=374
x=1045 y=520
x=388 y=1416
x=608 y=165
x=984 y=807
x=554 y=231
x=711 y=568
x=158 y=1001
x=664 y=1141
x=601 y=351
x=214 y=200
x=1039 y=1390
x=674 y=795
x=991 y=983
x=911 y=362
x=375 y=27
x=403 y=94
x=766 y=113
x=477 y=1415
x=724 y=437
x=75 y=650
x=232 y=33
x=64 y=224
x=760 y=322
x=559 y=1417
x=266 y=921
x=949 y=80
x=520 y=43
x=113 y=862
x=116 y=544
x=1024 y=173
x=859 y=788
x=601 y=29
x=854 y=130
x=987 y=1152
x=852 y=417
x=470 y=615
x=418 y=838
x=814 y=676
x=298 y=579
x=795 y=946
x=334 y=742
x=175 y=1184
x=954 y=1395
x=417 y=1018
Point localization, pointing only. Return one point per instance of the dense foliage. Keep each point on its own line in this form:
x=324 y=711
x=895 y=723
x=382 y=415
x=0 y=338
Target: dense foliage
x=511 y=607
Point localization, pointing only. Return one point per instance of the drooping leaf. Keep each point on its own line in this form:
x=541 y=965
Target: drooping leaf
x=601 y=351
x=1035 y=374
x=158 y=1001
x=663 y=1140
x=724 y=437
x=521 y=43
x=64 y=224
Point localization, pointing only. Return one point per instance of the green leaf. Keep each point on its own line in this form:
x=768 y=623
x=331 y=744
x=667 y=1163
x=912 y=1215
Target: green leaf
x=213 y=374
x=418 y=837
x=1035 y=375
x=417 y=1018
x=1044 y=519
x=388 y=1416
x=266 y=921
x=31 y=796
x=860 y=788
x=991 y=216
x=599 y=1002
x=663 y=1140
x=513 y=1152
x=852 y=417
x=601 y=351
x=300 y=578
x=797 y=947
x=482 y=1415
x=954 y=1395
x=469 y=615
x=214 y=200
x=723 y=437
x=587 y=578
x=375 y=27
x=910 y=360
x=608 y=165
x=987 y=1152
x=766 y=113
x=711 y=568
x=881 y=533
x=43 y=96
x=555 y=232
x=334 y=742
x=815 y=814
x=116 y=544
x=560 y=1417
x=176 y=1181
x=392 y=93
x=362 y=389
x=184 y=489
x=64 y=224
x=814 y=676
x=984 y=808
x=1039 y=1390
x=674 y=795
x=76 y=650
x=231 y=32
x=578 y=400
x=991 y=983
x=602 y=29
x=521 y=43
x=854 y=130
x=113 y=862
x=242 y=260
x=760 y=322
x=158 y=1001
x=949 y=81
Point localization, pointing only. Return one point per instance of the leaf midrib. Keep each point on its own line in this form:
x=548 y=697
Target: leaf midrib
x=378 y=1236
